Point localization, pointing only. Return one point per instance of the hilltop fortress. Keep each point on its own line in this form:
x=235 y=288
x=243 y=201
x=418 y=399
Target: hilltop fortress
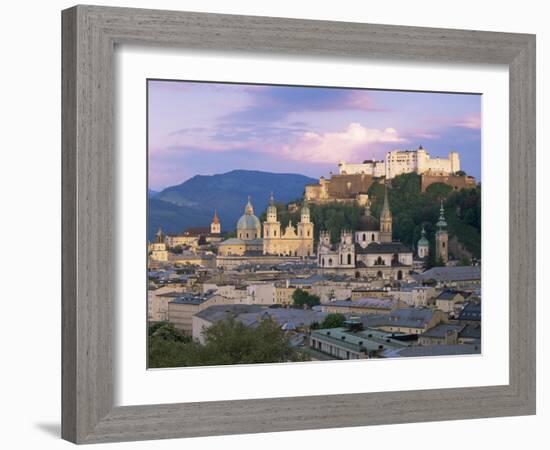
x=398 y=162
x=354 y=179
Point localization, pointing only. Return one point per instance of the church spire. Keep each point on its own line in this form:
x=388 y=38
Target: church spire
x=271 y=209
x=386 y=213
x=304 y=213
x=249 y=209
x=215 y=226
x=386 y=219
x=159 y=236
x=441 y=223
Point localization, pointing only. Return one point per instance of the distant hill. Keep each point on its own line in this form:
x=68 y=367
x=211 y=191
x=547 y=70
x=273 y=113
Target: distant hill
x=173 y=218
x=151 y=193
x=193 y=202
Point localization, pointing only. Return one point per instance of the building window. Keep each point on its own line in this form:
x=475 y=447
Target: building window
x=364 y=237
x=330 y=261
x=349 y=259
x=372 y=237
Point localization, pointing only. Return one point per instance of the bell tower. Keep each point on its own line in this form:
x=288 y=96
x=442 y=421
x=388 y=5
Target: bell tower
x=272 y=229
x=215 y=226
x=305 y=231
x=346 y=250
x=441 y=237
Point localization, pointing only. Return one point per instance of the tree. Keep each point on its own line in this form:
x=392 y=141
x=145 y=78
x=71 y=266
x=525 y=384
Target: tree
x=231 y=342
x=167 y=332
x=301 y=298
x=335 y=320
x=439 y=262
x=225 y=342
x=465 y=261
x=438 y=191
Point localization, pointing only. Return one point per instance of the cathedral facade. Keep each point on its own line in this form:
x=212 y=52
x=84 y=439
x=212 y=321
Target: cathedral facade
x=291 y=241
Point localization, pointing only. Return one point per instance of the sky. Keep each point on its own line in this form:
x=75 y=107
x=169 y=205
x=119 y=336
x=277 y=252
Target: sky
x=198 y=128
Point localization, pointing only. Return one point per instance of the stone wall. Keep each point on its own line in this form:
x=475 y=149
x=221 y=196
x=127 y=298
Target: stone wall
x=457 y=182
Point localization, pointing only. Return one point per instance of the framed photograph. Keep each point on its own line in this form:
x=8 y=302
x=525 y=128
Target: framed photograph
x=277 y=224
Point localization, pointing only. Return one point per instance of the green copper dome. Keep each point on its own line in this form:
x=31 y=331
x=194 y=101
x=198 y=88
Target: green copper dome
x=423 y=242
x=248 y=220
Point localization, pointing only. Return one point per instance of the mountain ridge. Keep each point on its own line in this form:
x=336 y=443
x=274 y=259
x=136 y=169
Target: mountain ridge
x=193 y=202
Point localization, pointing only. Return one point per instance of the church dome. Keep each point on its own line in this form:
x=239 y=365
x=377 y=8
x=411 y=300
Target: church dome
x=423 y=242
x=367 y=222
x=248 y=220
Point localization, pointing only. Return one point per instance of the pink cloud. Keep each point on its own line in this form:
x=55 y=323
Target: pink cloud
x=349 y=144
x=472 y=121
x=360 y=100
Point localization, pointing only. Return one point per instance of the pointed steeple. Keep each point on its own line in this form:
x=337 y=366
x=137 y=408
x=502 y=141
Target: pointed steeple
x=386 y=212
x=159 y=236
x=216 y=218
x=386 y=219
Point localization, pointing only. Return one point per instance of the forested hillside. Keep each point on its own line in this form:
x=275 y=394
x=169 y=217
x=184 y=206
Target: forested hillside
x=411 y=209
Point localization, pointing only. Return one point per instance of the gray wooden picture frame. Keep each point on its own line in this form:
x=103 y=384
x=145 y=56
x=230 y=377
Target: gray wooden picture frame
x=90 y=34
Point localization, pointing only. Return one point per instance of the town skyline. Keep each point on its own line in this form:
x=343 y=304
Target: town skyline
x=302 y=130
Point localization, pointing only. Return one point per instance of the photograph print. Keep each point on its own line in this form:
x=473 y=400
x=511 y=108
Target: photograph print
x=308 y=223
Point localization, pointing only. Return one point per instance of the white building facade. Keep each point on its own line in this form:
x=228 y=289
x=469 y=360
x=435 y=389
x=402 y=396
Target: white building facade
x=398 y=162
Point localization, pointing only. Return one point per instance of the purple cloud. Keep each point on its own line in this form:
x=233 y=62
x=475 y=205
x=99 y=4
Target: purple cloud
x=206 y=128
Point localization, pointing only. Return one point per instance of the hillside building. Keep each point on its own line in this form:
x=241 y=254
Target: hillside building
x=398 y=162
x=195 y=236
